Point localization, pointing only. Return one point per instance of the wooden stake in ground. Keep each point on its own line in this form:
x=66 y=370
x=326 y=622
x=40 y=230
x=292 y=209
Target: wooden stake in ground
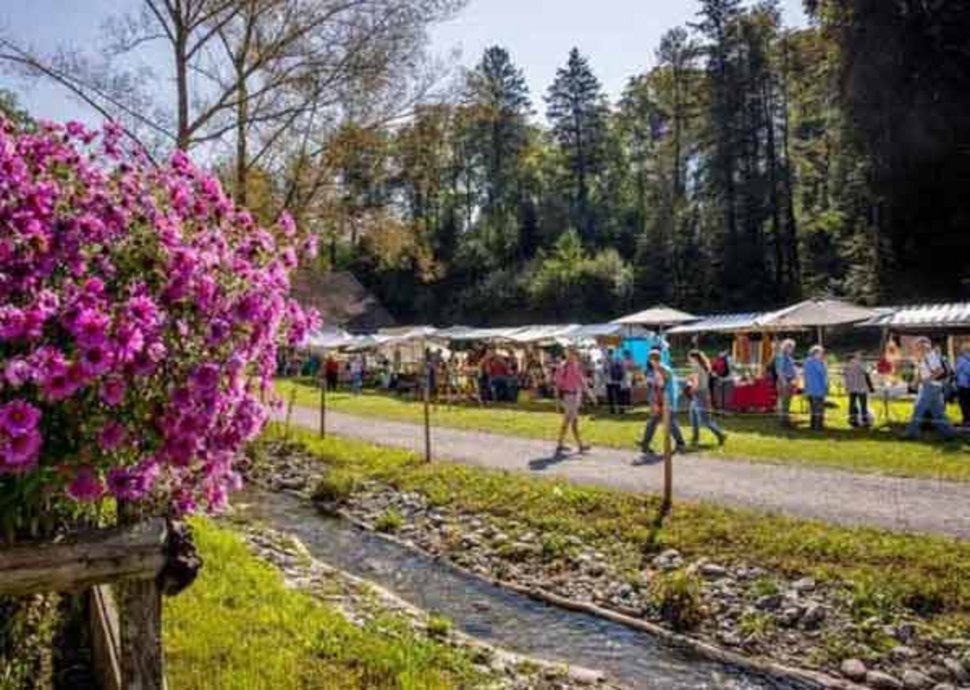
x=323 y=406
x=427 y=405
x=668 y=457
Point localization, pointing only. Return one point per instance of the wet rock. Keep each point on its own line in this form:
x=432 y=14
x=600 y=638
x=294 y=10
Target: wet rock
x=854 y=670
x=882 y=681
x=789 y=617
x=586 y=676
x=916 y=680
x=944 y=686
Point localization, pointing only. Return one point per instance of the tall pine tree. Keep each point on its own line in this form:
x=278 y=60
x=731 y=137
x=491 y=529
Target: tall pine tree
x=578 y=113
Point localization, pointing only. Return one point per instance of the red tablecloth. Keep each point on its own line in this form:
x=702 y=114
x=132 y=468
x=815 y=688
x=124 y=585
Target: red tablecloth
x=759 y=395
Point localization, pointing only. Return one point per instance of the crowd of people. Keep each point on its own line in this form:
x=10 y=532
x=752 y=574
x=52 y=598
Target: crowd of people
x=490 y=375
x=934 y=382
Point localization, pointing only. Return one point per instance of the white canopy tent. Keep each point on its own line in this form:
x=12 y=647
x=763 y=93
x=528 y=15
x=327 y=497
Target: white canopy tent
x=659 y=317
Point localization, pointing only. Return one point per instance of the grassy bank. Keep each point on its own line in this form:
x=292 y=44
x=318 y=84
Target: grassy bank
x=751 y=438
x=238 y=626
x=926 y=575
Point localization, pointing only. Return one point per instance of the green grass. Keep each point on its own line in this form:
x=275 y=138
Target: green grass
x=238 y=627
x=927 y=574
x=756 y=438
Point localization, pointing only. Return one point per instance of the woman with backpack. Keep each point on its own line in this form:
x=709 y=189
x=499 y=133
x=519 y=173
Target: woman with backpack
x=700 y=403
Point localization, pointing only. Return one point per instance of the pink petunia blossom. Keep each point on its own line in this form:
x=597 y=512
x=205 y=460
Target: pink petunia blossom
x=18 y=417
x=86 y=487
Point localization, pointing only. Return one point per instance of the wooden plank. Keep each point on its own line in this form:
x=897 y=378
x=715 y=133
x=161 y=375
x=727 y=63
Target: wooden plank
x=132 y=552
x=105 y=638
x=142 y=656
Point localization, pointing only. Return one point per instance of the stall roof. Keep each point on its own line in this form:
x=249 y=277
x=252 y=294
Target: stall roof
x=472 y=333
x=815 y=313
x=607 y=330
x=327 y=339
x=536 y=334
x=721 y=323
x=659 y=316
x=919 y=316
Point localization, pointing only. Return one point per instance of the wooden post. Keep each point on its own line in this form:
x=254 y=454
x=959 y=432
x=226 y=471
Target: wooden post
x=668 y=456
x=427 y=404
x=140 y=619
x=323 y=406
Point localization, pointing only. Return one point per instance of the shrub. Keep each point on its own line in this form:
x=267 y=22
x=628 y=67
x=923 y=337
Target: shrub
x=140 y=319
x=677 y=598
x=438 y=626
x=389 y=521
x=335 y=487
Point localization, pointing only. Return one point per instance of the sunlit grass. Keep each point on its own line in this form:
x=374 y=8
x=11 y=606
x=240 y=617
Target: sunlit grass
x=758 y=438
x=238 y=627
x=928 y=574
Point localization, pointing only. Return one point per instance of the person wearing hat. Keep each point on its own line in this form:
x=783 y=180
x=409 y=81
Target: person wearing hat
x=571 y=385
x=930 y=374
x=816 y=385
x=665 y=393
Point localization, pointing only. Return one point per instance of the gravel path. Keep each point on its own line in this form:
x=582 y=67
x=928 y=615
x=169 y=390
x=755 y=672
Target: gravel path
x=911 y=505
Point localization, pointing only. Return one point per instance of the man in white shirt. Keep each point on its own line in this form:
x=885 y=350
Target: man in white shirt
x=929 y=399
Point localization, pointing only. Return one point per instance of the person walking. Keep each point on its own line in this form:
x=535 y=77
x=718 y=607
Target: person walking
x=816 y=385
x=626 y=386
x=571 y=385
x=613 y=370
x=930 y=373
x=331 y=370
x=962 y=370
x=785 y=375
x=357 y=374
x=858 y=384
x=664 y=396
x=700 y=404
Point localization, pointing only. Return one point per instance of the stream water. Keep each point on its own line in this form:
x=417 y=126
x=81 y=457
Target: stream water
x=513 y=621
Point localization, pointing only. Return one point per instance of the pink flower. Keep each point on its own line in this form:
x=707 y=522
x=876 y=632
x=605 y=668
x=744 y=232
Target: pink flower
x=18 y=417
x=127 y=485
x=11 y=323
x=21 y=451
x=90 y=327
x=112 y=391
x=17 y=372
x=86 y=487
x=112 y=436
x=95 y=360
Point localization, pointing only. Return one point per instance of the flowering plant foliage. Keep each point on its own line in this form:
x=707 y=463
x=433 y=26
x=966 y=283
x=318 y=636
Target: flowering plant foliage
x=140 y=315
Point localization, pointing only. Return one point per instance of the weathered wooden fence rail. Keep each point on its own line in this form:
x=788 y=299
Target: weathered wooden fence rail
x=120 y=567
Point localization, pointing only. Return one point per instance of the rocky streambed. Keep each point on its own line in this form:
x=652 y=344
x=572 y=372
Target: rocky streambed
x=362 y=603
x=739 y=607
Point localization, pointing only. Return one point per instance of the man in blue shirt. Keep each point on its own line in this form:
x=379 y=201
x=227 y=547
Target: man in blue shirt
x=816 y=385
x=785 y=380
x=963 y=382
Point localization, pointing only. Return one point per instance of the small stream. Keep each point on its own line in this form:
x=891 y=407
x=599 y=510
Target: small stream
x=513 y=621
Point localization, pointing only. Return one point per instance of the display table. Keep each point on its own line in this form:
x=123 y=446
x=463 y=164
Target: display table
x=759 y=395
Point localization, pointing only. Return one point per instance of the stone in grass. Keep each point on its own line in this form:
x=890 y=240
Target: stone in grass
x=713 y=571
x=916 y=680
x=769 y=602
x=813 y=616
x=854 y=670
x=882 y=681
x=957 y=670
x=668 y=560
x=806 y=584
x=902 y=653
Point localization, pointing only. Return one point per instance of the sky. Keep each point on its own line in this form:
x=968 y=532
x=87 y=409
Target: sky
x=618 y=36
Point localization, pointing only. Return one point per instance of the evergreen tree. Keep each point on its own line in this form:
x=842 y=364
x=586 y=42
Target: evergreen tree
x=577 y=112
x=499 y=104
